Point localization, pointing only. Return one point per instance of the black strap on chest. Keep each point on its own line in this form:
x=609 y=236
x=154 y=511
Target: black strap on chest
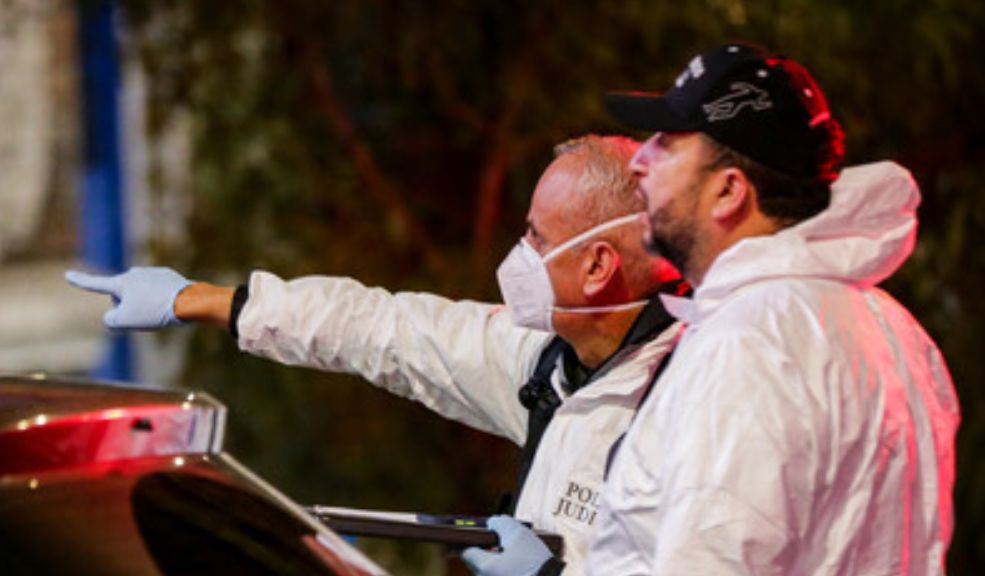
x=539 y=397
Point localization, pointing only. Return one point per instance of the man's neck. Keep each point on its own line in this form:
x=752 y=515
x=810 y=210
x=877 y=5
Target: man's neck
x=599 y=336
x=705 y=255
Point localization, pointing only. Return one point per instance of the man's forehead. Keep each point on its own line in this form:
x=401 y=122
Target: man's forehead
x=667 y=139
x=555 y=203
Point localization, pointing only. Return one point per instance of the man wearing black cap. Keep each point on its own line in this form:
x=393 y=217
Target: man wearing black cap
x=806 y=422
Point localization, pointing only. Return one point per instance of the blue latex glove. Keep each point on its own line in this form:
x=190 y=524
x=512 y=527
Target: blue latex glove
x=143 y=298
x=523 y=553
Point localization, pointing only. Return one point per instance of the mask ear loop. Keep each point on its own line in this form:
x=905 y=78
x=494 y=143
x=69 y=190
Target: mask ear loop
x=606 y=308
x=614 y=223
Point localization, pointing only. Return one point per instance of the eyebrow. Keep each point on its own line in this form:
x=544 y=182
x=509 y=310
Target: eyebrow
x=537 y=236
x=666 y=139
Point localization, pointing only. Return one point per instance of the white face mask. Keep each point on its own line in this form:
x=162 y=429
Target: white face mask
x=526 y=286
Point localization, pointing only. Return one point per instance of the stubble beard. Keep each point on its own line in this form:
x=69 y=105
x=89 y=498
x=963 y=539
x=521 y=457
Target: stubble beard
x=673 y=241
x=672 y=229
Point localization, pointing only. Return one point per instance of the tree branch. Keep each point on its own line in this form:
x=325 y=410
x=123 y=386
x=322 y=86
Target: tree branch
x=383 y=190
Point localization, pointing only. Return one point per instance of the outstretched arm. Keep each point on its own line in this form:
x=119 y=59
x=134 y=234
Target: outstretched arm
x=203 y=302
x=153 y=298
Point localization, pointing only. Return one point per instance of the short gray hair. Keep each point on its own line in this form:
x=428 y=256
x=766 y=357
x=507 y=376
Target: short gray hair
x=605 y=183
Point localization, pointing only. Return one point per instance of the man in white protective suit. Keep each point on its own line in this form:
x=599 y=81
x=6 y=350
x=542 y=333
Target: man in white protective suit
x=805 y=423
x=580 y=272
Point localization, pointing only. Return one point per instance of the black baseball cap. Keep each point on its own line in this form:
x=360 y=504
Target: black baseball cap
x=761 y=105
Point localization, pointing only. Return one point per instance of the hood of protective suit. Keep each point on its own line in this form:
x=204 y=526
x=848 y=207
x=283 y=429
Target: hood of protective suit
x=866 y=233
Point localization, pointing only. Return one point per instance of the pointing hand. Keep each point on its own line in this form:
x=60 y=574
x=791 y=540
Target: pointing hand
x=143 y=298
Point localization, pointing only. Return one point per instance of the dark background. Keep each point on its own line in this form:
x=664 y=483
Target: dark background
x=398 y=142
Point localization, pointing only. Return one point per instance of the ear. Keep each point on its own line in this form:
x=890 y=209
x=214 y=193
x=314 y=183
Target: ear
x=733 y=195
x=601 y=262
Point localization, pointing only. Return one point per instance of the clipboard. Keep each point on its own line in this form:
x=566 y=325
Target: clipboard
x=458 y=531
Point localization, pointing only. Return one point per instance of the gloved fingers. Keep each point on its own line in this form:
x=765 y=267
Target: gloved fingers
x=112 y=318
x=506 y=527
x=93 y=283
x=478 y=559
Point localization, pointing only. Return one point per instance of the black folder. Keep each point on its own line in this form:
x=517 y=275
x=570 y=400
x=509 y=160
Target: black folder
x=457 y=531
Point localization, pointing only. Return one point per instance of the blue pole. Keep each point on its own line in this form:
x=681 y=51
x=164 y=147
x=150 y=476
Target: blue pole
x=103 y=219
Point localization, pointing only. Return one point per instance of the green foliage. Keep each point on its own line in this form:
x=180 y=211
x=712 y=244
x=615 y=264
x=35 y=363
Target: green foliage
x=398 y=142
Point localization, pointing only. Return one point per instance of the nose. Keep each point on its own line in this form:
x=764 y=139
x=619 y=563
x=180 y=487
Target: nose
x=638 y=163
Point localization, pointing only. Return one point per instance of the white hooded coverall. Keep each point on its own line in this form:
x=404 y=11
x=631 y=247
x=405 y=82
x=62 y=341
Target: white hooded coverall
x=466 y=361
x=805 y=424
